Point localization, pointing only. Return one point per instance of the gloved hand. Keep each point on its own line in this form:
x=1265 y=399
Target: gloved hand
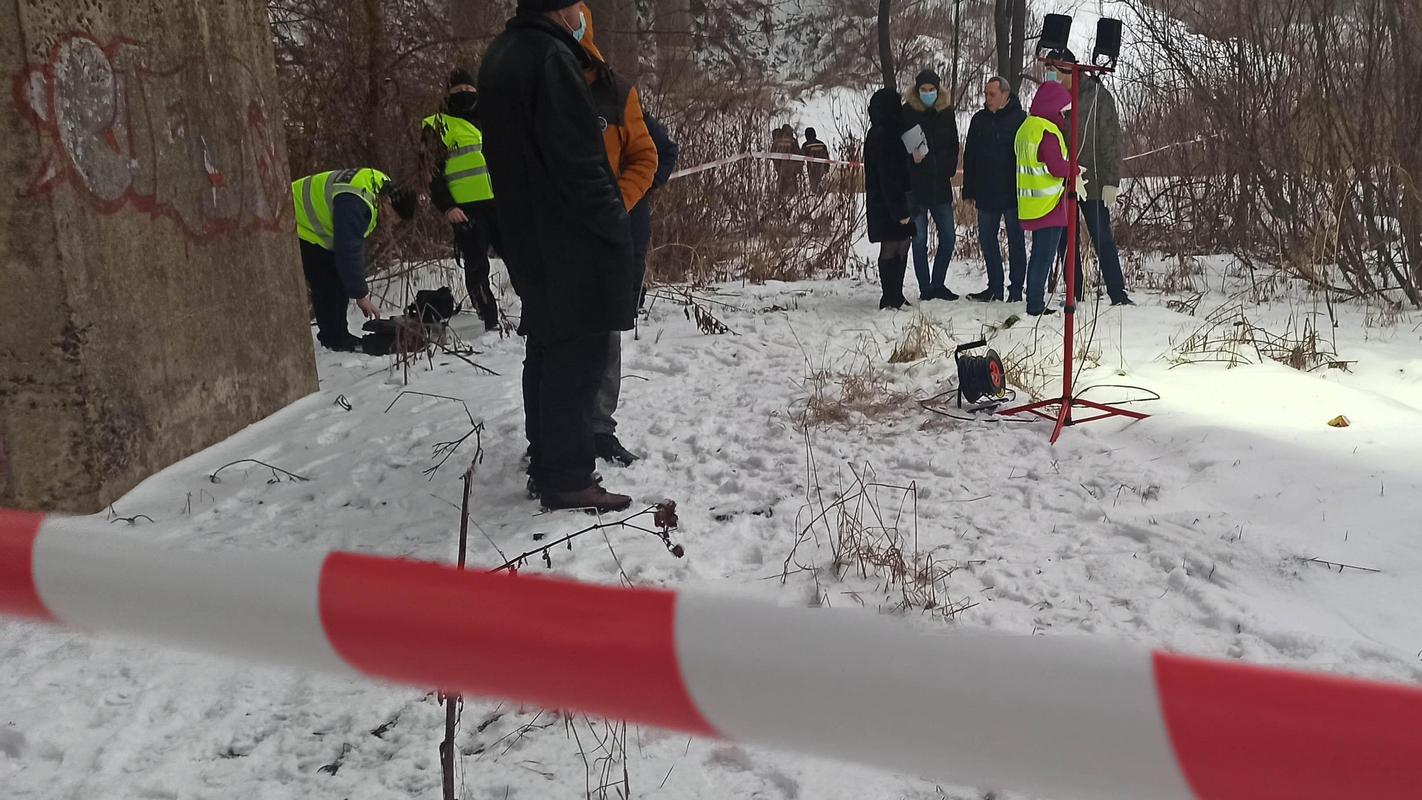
x=1081 y=183
x=1109 y=194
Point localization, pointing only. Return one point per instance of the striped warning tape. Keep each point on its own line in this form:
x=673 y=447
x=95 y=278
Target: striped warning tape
x=1058 y=717
x=710 y=165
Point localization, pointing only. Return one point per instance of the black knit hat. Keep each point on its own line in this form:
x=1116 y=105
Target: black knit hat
x=540 y=6
x=928 y=76
x=460 y=76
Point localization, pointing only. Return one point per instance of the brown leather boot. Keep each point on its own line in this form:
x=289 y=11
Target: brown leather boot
x=592 y=499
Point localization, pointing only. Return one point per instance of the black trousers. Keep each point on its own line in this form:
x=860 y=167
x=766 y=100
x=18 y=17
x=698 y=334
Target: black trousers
x=560 y=383
x=328 y=296
x=471 y=246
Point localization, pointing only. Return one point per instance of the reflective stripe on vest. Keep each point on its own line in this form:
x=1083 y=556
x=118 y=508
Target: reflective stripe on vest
x=315 y=198
x=465 y=170
x=1038 y=190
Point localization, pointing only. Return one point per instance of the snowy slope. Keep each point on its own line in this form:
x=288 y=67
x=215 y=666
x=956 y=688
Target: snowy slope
x=1184 y=531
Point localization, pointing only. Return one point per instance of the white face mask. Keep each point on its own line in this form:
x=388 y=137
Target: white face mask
x=582 y=29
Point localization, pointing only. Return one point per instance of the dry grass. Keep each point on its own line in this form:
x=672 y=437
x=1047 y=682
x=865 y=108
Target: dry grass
x=1228 y=335
x=871 y=528
x=921 y=339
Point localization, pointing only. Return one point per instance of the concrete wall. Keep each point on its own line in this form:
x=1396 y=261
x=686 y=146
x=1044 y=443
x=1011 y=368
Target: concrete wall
x=151 y=302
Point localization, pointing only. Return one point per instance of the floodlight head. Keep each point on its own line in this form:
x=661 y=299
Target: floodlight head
x=1056 y=31
x=1108 y=42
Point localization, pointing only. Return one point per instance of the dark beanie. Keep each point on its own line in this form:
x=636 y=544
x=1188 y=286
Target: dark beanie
x=811 y=133
x=928 y=76
x=540 y=6
x=460 y=76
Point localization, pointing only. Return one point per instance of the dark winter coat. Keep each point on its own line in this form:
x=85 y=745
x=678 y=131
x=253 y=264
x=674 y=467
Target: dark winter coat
x=814 y=148
x=641 y=213
x=886 y=170
x=990 y=157
x=1100 y=137
x=567 y=239
x=933 y=178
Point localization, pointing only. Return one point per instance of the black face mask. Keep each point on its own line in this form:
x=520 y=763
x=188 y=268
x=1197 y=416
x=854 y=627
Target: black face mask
x=463 y=103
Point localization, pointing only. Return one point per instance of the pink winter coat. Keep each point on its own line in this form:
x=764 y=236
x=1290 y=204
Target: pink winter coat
x=1051 y=100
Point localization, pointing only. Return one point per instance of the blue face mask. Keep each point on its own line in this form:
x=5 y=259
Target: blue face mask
x=929 y=99
x=1052 y=75
x=582 y=29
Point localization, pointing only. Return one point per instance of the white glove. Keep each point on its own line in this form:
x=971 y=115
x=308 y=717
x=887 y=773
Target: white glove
x=1081 y=184
x=1109 y=194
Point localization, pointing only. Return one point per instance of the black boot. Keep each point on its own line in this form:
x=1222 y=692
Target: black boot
x=609 y=448
x=900 y=271
x=886 y=282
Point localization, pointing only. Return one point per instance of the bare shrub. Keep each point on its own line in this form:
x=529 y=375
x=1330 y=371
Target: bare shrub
x=1227 y=335
x=1285 y=164
x=734 y=222
x=871 y=529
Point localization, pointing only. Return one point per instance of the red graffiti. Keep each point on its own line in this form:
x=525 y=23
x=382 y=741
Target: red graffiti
x=191 y=142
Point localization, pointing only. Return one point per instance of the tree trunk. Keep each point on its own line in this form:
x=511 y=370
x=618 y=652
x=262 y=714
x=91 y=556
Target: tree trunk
x=957 y=45
x=377 y=57
x=1002 y=34
x=672 y=27
x=886 y=47
x=1019 y=44
x=615 y=29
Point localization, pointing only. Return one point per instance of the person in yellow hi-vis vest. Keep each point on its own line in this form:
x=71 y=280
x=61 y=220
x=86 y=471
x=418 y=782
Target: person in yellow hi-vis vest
x=1043 y=168
x=335 y=212
x=461 y=189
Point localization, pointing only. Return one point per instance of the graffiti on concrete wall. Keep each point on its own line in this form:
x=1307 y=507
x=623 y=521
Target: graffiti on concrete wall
x=191 y=140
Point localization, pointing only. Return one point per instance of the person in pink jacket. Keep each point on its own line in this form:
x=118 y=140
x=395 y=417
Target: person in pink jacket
x=1041 y=199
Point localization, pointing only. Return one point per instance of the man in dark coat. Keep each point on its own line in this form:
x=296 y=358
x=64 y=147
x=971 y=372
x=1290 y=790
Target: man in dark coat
x=1099 y=141
x=566 y=235
x=990 y=183
x=929 y=107
x=814 y=148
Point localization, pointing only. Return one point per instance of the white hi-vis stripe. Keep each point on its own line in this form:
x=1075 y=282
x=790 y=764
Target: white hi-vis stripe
x=1052 y=192
x=1039 y=171
x=465 y=151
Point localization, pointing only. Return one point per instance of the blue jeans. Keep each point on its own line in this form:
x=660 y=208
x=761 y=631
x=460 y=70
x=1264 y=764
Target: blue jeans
x=1044 y=253
x=988 y=223
x=1097 y=218
x=947 y=239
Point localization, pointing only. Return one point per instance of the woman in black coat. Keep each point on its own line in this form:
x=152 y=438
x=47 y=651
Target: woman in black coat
x=886 y=192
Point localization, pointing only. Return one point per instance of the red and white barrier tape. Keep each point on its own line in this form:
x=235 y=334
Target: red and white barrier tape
x=1059 y=717
x=710 y=165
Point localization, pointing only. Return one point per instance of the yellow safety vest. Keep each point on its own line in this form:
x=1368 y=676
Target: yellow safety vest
x=465 y=170
x=1038 y=190
x=315 y=198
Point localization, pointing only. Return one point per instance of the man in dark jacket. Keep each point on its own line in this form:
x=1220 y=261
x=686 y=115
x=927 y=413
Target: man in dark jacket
x=814 y=148
x=1099 y=137
x=990 y=183
x=566 y=236
x=461 y=190
x=930 y=108
x=667 y=154
x=604 y=422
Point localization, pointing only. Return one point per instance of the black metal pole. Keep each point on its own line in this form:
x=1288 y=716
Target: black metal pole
x=451 y=701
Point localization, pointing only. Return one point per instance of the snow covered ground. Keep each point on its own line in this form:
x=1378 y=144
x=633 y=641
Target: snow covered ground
x=1187 y=531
